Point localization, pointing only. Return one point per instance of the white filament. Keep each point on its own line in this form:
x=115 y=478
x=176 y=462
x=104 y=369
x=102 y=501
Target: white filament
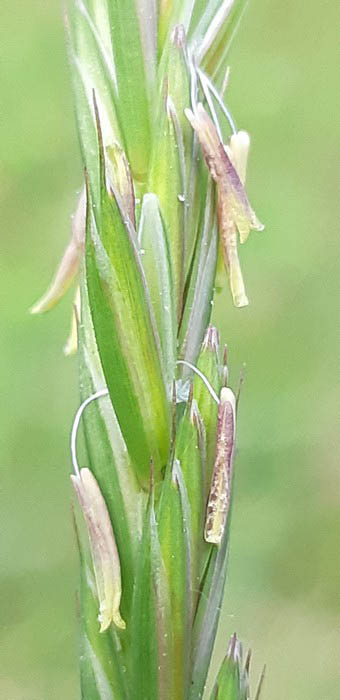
x=202 y=376
x=75 y=427
x=205 y=86
x=214 y=27
x=104 y=392
x=193 y=81
x=205 y=79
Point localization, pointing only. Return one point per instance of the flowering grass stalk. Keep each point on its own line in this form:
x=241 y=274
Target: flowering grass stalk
x=163 y=201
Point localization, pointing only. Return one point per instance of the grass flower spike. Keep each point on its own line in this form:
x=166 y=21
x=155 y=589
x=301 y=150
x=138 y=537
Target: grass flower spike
x=164 y=192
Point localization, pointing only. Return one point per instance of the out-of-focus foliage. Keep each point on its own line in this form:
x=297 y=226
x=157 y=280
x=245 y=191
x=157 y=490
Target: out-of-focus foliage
x=283 y=593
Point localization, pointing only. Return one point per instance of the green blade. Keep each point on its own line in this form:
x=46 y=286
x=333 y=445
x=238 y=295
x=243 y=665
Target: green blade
x=214 y=61
x=131 y=368
x=126 y=337
x=207 y=616
x=151 y=626
x=157 y=267
x=101 y=660
x=132 y=84
x=174 y=72
x=211 y=31
x=232 y=682
x=208 y=363
x=199 y=299
x=228 y=682
x=167 y=16
x=190 y=452
x=196 y=204
x=165 y=180
x=173 y=518
x=92 y=70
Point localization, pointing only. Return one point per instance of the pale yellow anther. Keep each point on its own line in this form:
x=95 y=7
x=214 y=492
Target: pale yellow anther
x=103 y=547
x=238 y=150
x=220 y=490
x=70 y=262
x=227 y=166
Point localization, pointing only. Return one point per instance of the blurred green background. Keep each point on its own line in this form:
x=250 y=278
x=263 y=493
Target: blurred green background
x=283 y=596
